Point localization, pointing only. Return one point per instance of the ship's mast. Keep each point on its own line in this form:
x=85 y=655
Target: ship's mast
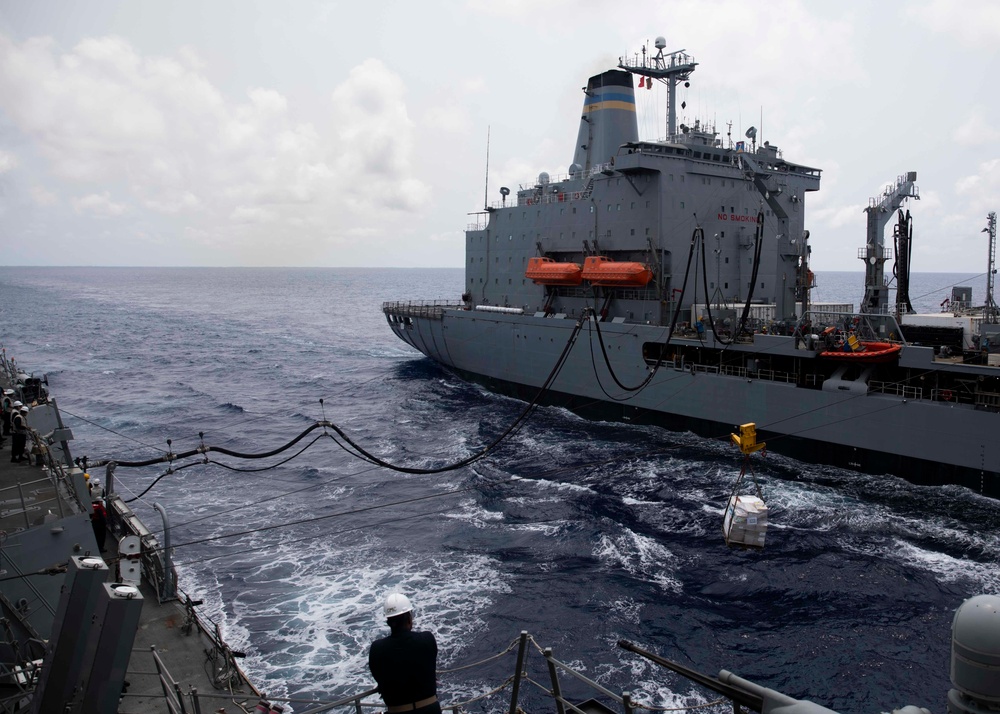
x=669 y=68
x=880 y=210
x=990 y=312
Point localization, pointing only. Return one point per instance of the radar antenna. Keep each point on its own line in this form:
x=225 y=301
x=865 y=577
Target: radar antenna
x=668 y=68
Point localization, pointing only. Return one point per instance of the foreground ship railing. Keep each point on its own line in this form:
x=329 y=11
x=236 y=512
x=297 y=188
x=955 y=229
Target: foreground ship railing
x=975 y=625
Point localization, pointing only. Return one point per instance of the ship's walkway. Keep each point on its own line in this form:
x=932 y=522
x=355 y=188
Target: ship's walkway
x=433 y=309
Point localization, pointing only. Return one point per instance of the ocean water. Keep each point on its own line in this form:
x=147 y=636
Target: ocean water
x=580 y=532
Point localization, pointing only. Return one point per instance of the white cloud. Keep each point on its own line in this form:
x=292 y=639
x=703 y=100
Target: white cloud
x=976 y=23
x=976 y=130
x=7 y=161
x=252 y=214
x=42 y=197
x=104 y=115
x=375 y=139
x=979 y=191
x=836 y=216
x=98 y=205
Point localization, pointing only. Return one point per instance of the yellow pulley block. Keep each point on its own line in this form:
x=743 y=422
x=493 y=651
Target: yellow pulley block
x=746 y=440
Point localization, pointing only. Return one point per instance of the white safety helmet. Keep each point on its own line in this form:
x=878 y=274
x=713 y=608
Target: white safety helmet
x=397 y=604
x=18 y=404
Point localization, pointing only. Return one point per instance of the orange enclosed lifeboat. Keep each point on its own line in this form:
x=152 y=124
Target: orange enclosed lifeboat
x=602 y=271
x=545 y=271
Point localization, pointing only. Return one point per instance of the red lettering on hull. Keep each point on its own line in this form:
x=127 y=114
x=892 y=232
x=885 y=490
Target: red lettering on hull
x=737 y=218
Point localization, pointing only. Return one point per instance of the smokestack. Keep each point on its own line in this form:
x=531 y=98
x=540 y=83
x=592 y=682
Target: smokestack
x=608 y=119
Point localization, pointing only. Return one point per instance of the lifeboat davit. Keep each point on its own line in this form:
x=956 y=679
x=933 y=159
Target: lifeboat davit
x=545 y=271
x=869 y=352
x=602 y=271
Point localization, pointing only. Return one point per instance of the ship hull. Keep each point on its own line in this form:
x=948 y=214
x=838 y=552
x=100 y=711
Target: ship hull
x=924 y=441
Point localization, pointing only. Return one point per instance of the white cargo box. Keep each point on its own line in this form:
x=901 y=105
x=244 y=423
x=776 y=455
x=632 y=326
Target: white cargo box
x=745 y=522
x=969 y=324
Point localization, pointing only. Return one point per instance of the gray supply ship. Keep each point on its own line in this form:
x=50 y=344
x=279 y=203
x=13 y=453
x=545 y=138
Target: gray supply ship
x=668 y=282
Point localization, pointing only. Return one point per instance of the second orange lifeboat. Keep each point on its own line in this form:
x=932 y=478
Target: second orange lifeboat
x=545 y=271
x=603 y=271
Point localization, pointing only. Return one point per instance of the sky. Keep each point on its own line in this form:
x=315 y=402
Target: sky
x=328 y=133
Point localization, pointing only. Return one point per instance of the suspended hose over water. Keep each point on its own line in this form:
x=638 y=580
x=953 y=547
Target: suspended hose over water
x=359 y=451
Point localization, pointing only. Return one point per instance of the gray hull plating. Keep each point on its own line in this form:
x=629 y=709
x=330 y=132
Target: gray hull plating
x=928 y=441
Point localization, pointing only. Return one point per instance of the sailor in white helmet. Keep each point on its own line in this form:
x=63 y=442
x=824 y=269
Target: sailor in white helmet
x=404 y=663
x=19 y=432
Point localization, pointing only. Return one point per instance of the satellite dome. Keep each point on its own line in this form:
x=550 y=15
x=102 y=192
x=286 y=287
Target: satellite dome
x=660 y=42
x=975 y=648
x=543 y=178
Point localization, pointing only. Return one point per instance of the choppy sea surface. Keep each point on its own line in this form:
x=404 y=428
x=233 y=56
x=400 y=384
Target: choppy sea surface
x=580 y=532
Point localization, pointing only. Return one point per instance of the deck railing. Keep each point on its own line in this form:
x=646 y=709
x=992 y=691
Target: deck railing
x=194 y=701
x=433 y=309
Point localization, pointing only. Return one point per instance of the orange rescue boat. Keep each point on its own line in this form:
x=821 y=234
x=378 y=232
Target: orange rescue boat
x=602 y=271
x=545 y=271
x=869 y=352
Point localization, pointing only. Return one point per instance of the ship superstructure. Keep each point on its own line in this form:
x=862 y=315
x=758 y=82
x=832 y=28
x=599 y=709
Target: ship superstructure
x=668 y=281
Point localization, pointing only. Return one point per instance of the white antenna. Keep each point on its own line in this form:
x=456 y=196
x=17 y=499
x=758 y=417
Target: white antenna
x=486 y=193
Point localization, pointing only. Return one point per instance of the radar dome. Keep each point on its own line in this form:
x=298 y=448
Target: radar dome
x=660 y=43
x=975 y=650
x=575 y=169
x=543 y=178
